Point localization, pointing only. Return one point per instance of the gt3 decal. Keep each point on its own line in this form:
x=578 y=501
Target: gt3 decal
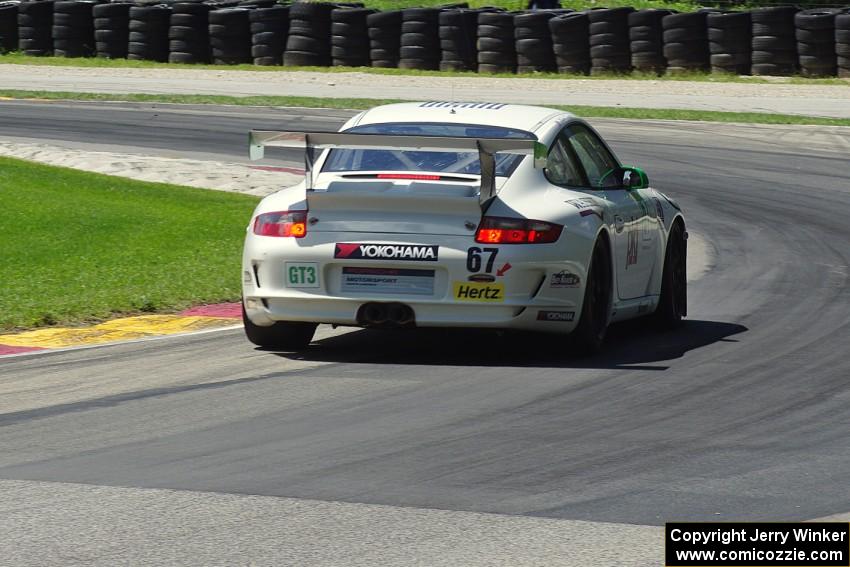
x=366 y=251
x=484 y=292
x=564 y=279
x=473 y=259
x=304 y=274
x=556 y=316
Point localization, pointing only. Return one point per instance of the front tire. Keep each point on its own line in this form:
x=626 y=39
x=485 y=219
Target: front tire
x=673 y=302
x=589 y=335
x=282 y=335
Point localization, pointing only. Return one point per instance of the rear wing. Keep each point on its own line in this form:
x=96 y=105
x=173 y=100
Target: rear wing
x=487 y=148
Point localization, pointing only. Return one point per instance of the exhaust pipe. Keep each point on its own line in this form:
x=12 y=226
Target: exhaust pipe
x=400 y=314
x=374 y=314
x=385 y=314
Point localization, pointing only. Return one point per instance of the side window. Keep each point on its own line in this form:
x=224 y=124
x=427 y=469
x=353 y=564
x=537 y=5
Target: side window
x=594 y=157
x=560 y=168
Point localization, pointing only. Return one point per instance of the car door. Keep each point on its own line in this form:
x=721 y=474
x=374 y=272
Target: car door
x=633 y=236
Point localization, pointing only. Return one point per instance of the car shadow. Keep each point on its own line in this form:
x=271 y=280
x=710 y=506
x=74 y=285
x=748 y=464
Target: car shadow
x=630 y=345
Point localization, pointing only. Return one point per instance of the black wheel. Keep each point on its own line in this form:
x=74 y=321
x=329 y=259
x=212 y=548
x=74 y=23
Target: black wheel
x=673 y=303
x=283 y=335
x=589 y=335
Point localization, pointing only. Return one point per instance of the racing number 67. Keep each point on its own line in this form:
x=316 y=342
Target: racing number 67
x=473 y=258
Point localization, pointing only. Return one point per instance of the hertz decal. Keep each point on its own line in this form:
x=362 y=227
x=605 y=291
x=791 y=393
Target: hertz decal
x=475 y=291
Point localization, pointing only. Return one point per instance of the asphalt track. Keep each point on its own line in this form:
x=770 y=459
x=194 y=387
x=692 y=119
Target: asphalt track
x=382 y=438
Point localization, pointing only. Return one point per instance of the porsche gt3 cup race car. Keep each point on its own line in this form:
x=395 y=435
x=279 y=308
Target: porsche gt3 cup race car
x=442 y=214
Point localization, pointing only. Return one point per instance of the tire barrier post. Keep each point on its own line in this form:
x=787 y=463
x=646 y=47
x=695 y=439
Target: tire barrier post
x=458 y=31
x=384 y=29
x=609 y=40
x=188 y=34
x=111 y=30
x=646 y=36
x=570 y=42
x=269 y=29
x=533 y=42
x=729 y=42
x=686 y=42
x=774 y=45
x=350 y=37
x=148 y=38
x=309 y=39
x=230 y=36
x=420 y=39
x=842 y=44
x=496 y=47
x=815 y=33
x=8 y=27
x=73 y=29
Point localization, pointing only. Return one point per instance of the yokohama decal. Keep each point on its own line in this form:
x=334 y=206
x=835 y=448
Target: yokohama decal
x=386 y=252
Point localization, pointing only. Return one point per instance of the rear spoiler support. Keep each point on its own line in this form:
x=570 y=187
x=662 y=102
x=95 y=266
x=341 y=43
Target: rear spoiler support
x=487 y=148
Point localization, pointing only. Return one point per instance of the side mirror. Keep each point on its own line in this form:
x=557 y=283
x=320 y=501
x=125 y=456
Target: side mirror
x=632 y=177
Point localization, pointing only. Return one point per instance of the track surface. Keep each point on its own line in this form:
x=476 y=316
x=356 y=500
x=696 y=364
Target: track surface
x=742 y=415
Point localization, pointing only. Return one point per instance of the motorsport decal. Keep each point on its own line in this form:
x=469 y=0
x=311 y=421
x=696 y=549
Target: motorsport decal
x=388 y=281
x=659 y=209
x=587 y=206
x=474 y=291
x=632 y=248
x=556 y=316
x=367 y=251
x=564 y=279
x=302 y=274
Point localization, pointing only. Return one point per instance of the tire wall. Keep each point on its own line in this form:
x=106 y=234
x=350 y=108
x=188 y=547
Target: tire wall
x=780 y=40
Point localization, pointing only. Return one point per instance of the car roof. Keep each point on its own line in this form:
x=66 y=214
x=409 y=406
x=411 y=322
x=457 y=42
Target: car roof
x=516 y=116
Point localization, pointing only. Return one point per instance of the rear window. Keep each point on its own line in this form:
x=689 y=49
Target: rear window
x=437 y=162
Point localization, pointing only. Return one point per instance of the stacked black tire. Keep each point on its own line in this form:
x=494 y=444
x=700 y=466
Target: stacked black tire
x=420 y=39
x=609 y=40
x=188 y=36
x=816 y=42
x=230 y=36
x=534 y=51
x=686 y=42
x=729 y=42
x=384 y=38
x=842 y=44
x=774 y=44
x=350 y=37
x=496 y=44
x=73 y=29
x=269 y=30
x=111 y=30
x=8 y=27
x=570 y=43
x=148 y=38
x=646 y=40
x=309 y=40
x=35 y=28
x=458 y=35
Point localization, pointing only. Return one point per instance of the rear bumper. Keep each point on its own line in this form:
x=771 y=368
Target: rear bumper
x=529 y=300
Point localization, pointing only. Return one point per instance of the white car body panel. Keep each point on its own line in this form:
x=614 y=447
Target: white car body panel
x=446 y=214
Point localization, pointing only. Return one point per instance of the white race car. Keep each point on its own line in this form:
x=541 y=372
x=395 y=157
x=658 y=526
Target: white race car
x=442 y=214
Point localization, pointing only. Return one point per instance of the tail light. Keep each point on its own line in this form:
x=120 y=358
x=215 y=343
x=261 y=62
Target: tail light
x=501 y=230
x=281 y=223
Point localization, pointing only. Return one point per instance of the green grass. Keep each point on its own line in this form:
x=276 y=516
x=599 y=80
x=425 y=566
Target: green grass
x=83 y=247
x=97 y=62
x=682 y=6
x=365 y=103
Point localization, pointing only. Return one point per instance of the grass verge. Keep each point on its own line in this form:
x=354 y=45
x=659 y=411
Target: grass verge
x=700 y=76
x=365 y=103
x=82 y=246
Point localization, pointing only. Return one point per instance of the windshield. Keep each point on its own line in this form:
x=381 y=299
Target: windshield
x=442 y=162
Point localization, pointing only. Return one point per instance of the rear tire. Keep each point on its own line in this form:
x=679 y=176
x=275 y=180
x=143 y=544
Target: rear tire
x=282 y=335
x=673 y=303
x=589 y=335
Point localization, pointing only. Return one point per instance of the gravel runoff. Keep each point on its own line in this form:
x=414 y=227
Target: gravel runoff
x=221 y=176
x=776 y=96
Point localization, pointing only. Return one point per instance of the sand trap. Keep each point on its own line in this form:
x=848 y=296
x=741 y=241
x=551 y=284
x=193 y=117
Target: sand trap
x=220 y=176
